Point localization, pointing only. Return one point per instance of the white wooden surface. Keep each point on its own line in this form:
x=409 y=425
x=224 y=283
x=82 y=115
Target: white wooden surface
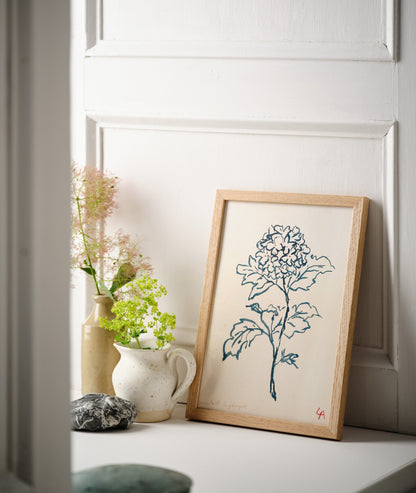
x=226 y=459
x=181 y=99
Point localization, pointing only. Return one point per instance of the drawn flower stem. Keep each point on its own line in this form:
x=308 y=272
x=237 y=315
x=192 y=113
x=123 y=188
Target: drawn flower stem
x=272 y=384
x=277 y=349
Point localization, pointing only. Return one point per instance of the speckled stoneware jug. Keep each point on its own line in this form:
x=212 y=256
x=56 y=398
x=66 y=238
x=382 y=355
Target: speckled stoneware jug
x=149 y=379
x=98 y=355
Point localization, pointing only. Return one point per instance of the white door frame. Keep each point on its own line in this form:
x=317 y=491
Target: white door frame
x=34 y=245
x=406 y=185
x=3 y=233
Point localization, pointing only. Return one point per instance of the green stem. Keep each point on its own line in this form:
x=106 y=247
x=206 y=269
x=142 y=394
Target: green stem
x=84 y=240
x=138 y=343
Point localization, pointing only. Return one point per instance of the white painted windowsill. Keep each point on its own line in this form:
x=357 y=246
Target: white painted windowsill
x=226 y=459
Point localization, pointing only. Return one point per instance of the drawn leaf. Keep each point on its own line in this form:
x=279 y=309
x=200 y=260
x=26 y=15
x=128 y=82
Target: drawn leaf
x=256 y=279
x=252 y=276
x=289 y=358
x=307 y=276
x=259 y=289
x=297 y=322
x=246 y=270
x=306 y=310
x=255 y=307
x=242 y=335
x=273 y=317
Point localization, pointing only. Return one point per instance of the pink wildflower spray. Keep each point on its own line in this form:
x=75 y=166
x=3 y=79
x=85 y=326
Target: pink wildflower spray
x=117 y=258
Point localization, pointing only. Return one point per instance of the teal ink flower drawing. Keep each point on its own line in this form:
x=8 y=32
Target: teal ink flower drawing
x=282 y=260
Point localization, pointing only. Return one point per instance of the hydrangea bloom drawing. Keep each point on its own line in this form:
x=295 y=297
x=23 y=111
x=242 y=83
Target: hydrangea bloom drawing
x=283 y=260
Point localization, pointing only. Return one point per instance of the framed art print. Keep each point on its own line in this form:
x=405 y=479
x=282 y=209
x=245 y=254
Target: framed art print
x=278 y=311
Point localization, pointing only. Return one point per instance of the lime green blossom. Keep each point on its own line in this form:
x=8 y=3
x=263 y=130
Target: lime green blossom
x=138 y=312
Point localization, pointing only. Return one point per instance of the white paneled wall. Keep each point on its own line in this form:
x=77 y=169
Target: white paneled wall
x=182 y=98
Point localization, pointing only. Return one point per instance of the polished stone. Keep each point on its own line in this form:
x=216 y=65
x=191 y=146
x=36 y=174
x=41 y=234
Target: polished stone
x=129 y=478
x=99 y=412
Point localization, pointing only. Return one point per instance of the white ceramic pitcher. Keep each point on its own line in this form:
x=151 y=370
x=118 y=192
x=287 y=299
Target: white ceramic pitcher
x=149 y=378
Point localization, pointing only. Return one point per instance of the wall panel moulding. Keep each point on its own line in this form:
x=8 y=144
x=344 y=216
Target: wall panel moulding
x=380 y=356
x=372 y=33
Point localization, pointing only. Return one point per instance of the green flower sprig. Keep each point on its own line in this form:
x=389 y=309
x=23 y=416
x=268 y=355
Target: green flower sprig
x=139 y=312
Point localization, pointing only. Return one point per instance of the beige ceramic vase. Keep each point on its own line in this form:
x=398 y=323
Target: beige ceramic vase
x=98 y=354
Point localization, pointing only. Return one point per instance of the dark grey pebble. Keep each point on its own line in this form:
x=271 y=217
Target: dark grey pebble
x=98 y=412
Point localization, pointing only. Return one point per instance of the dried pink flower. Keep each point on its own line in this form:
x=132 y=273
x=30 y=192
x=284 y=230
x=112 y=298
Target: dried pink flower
x=100 y=255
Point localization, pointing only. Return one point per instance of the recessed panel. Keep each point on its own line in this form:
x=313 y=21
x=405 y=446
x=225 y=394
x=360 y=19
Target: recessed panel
x=320 y=21
x=168 y=184
x=307 y=91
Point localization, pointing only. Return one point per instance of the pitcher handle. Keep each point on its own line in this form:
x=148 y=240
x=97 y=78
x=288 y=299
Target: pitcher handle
x=190 y=371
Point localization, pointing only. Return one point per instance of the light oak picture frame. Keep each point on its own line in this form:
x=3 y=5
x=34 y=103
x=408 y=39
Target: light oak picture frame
x=278 y=310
